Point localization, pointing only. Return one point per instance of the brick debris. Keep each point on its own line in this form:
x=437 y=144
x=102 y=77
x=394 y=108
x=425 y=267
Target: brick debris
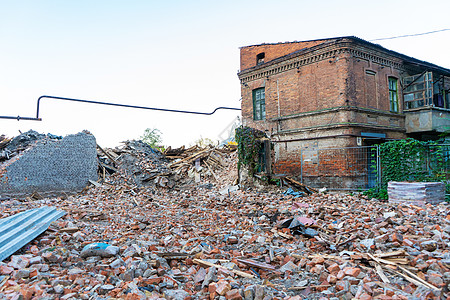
x=195 y=241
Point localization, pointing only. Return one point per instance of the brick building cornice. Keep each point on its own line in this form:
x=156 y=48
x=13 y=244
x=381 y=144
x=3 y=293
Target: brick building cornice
x=327 y=50
x=347 y=46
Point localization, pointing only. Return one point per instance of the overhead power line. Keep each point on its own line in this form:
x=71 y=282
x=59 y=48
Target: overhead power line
x=409 y=35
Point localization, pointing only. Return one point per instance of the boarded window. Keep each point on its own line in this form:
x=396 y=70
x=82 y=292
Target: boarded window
x=371 y=89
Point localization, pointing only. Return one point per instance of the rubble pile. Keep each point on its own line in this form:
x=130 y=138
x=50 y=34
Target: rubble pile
x=11 y=147
x=175 y=225
x=137 y=162
x=147 y=243
x=178 y=168
x=204 y=165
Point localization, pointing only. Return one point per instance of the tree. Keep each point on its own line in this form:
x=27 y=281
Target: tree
x=152 y=137
x=204 y=142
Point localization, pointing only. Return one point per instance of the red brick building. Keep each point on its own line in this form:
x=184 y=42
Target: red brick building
x=336 y=93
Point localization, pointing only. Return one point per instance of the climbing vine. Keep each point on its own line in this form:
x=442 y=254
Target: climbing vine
x=409 y=160
x=249 y=146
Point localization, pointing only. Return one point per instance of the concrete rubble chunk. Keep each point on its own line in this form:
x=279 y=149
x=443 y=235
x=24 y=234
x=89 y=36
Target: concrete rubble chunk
x=105 y=289
x=176 y=294
x=51 y=166
x=289 y=266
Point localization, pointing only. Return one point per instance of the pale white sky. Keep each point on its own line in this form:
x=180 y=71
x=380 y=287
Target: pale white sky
x=173 y=54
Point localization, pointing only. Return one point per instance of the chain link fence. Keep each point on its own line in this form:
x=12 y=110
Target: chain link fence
x=360 y=168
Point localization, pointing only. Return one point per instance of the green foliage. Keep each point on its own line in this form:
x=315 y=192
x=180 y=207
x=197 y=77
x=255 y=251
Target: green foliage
x=204 y=142
x=152 y=137
x=409 y=160
x=275 y=181
x=376 y=193
x=249 y=146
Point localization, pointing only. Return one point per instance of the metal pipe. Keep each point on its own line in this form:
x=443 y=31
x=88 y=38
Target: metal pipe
x=18 y=118
x=131 y=106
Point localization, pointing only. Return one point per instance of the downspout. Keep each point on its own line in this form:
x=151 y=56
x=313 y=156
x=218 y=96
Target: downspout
x=278 y=121
x=279 y=110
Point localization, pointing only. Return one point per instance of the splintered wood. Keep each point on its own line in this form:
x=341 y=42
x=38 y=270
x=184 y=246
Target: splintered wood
x=174 y=168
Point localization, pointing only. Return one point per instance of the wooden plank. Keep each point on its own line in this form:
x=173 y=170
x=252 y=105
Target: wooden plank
x=307 y=188
x=212 y=172
x=402 y=261
x=69 y=229
x=189 y=158
x=413 y=281
x=381 y=273
x=2 y=283
x=208 y=264
x=256 y=264
x=393 y=253
x=284 y=235
x=107 y=154
x=95 y=183
x=299 y=288
x=411 y=277
x=380 y=260
x=418 y=278
x=353 y=237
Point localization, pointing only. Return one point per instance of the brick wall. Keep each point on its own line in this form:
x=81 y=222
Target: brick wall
x=313 y=87
x=272 y=51
x=304 y=105
x=320 y=166
x=368 y=84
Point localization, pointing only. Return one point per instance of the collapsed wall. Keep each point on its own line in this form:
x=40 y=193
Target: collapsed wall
x=51 y=166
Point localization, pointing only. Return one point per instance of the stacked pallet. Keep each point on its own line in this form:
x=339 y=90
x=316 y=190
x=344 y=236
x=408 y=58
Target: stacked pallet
x=417 y=193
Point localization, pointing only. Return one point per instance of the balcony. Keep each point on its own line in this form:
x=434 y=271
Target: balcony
x=426 y=99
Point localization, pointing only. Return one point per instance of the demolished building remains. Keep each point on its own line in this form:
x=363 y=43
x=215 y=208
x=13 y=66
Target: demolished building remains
x=176 y=226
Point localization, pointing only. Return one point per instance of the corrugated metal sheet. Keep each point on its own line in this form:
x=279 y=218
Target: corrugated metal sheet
x=18 y=230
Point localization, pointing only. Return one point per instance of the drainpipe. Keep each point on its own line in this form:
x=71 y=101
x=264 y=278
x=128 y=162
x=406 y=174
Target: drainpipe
x=279 y=112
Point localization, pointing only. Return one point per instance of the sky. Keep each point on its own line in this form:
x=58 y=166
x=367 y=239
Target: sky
x=171 y=54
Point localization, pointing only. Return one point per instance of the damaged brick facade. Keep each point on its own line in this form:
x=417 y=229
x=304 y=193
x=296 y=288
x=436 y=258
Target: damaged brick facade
x=329 y=93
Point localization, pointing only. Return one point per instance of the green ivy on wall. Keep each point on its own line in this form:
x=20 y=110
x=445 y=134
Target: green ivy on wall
x=409 y=160
x=249 y=145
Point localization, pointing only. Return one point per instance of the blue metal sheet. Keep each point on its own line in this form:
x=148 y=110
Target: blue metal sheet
x=18 y=230
x=374 y=135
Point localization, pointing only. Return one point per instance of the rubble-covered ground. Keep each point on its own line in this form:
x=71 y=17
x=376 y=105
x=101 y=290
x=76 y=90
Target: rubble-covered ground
x=197 y=240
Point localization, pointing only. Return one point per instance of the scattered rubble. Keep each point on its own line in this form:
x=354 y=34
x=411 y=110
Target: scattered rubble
x=197 y=243
x=194 y=241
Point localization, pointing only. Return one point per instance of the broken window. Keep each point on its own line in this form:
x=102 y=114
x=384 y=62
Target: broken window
x=418 y=90
x=259 y=104
x=260 y=58
x=441 y=95
x=426 y=89
x=393 y=94
x=264 y=164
